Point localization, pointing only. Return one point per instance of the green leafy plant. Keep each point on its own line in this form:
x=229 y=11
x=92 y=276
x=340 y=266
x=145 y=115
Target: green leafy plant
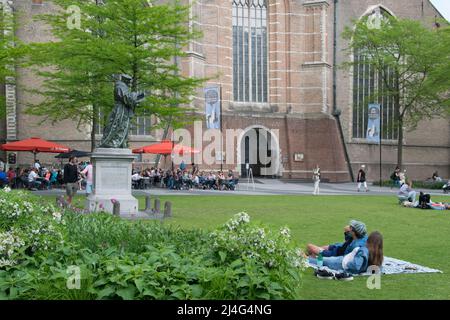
x=119 y=259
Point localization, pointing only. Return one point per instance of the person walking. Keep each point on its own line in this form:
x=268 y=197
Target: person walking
x=361 y=179
x=71 y=178
x=316 y=179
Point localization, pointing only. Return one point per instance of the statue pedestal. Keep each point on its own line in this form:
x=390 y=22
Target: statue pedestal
x=112 y=180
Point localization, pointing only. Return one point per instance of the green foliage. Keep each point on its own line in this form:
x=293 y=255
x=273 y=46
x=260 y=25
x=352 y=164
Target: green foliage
x=412 y=62
x=117 y=36
x=416 y=55
x=27 y=227
x=119 y=259
x=434 y=185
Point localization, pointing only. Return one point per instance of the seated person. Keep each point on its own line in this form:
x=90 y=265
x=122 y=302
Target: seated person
x=195 y=181
x=3 y=178
x=136 y=179
x=406 y=192
x=33 y=181
x=220 y=180
x=202 y=179
x=436 y=177
x=60 y=178
x=54 y=177
x=11 y=175
x=358 y=259
x=46 y=178
x=355 y=236
x=230 y=180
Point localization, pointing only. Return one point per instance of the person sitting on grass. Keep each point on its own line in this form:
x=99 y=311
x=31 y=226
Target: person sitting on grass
x=355 y=236
x=406 y=193
x=355 y=262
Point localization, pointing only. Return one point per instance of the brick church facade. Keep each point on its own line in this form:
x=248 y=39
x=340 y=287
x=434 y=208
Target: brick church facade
x=276 y=63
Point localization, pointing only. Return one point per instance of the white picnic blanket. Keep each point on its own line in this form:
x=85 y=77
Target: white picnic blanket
x=394 y=266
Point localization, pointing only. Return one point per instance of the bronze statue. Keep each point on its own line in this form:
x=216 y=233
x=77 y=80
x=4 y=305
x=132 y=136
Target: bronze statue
x=115 y=133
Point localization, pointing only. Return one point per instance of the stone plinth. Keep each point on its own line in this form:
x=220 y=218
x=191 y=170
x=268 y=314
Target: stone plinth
x=112 y=180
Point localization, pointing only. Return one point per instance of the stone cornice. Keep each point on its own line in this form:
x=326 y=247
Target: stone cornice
x=191 y=54
x=315 y=3
x=316 y=64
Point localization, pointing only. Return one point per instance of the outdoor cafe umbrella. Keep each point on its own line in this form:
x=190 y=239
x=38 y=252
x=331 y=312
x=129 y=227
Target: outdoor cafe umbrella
x=73 y=153
x=34 y=145
x=165 y=148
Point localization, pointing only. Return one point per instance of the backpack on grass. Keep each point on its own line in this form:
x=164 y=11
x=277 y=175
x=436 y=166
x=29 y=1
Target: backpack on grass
x=424 y=200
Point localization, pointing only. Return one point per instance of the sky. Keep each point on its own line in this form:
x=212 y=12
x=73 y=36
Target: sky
x=443 y=6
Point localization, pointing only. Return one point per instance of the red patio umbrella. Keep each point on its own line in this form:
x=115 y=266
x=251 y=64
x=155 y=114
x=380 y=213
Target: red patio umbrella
x=34 y=145
x=166 y=147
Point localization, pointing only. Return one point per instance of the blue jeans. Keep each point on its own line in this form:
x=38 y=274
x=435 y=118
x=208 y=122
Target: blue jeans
x=334 y=263
x=411 y=195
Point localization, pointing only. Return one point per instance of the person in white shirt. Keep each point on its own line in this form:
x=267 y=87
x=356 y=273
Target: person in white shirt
x=37 y=165
x=136 y=178
x=88 y=172
x=32 y=179
x=406 y=192
x=316 y=179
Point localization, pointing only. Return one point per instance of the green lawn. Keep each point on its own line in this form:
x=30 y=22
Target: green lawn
x=418 y=236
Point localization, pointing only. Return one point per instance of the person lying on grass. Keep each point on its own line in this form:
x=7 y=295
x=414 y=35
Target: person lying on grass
x=359 y=259
x=355 y=236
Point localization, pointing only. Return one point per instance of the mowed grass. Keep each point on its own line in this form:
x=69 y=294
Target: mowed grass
x=418 y=236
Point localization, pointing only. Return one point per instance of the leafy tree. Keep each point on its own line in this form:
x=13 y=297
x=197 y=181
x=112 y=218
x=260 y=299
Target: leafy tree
x=416 y=58
x=96 y=40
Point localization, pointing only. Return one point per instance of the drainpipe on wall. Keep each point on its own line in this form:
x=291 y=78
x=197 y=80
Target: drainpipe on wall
x=336 y=111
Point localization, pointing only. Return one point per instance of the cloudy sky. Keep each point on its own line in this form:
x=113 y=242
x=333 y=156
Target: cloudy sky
x=443 y=6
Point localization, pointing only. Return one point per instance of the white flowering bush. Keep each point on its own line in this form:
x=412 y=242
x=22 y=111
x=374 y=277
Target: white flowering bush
x=240 y=239
x=27 y=226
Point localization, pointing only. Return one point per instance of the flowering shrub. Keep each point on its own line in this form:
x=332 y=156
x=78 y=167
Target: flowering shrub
x=26 y=226
x=239 y=239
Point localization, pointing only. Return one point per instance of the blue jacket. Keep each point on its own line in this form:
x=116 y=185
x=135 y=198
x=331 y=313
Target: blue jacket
x=3 y=177
x=355 y=243
x=360 y=263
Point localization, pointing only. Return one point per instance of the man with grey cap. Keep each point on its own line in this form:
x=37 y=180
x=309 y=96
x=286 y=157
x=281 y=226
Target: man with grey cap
x=355 y=236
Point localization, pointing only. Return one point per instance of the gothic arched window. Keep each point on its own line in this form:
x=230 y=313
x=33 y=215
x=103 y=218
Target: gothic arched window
x=368 y=86
x=250 y=50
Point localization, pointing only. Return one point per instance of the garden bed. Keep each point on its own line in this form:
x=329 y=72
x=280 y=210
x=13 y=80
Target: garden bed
x=47 y=253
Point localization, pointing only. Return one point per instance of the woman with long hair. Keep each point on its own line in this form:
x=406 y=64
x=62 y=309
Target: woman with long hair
x=375 y=246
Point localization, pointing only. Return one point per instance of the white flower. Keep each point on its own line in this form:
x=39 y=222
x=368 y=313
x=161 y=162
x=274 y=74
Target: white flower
x=7 y=189
x=6 y=262
x=57 y=216
x=285 y=232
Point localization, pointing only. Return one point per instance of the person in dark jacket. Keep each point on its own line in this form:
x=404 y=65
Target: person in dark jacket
x=71 y=178
x=355 y=234
x=361 y=178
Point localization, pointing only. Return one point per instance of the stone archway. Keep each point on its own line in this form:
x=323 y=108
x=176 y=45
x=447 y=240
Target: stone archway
x=258 y=148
